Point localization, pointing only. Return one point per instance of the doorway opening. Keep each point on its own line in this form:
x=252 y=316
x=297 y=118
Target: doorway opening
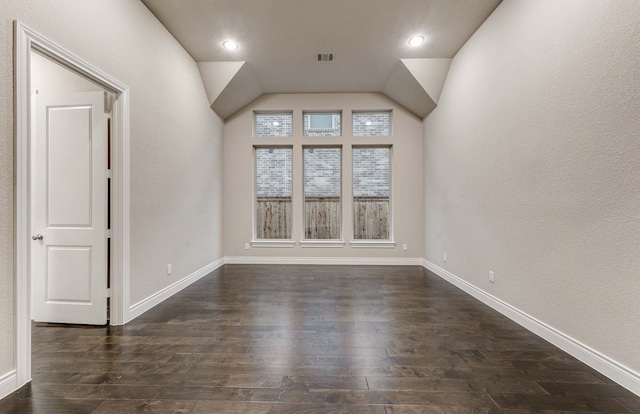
x=82 y=80
x=70 y=188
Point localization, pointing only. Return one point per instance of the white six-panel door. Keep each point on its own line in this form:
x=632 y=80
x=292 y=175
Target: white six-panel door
x=69 y=209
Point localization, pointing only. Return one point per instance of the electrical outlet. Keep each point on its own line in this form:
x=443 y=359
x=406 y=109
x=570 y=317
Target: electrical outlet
x=247 y=246
x=444 y=257
x=169 y=269
x=405 y=247
x=492 y=278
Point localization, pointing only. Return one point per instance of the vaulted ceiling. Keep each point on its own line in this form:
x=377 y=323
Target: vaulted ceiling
x=279 y=41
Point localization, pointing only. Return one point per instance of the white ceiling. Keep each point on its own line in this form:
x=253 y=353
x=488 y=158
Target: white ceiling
x=279 y=39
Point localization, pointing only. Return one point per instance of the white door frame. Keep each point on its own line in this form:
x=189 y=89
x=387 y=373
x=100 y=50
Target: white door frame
x=27 y=40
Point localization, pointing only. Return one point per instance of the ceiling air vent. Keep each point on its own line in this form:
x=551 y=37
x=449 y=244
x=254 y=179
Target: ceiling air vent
x=325 y=57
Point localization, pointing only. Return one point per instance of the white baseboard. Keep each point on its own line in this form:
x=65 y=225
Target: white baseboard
x=164 y=294
x=8 y=383
x=378 y=261
x=619 y=373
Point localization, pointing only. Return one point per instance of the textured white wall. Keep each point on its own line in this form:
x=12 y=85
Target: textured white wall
x=176 y=140
x=407 y=186
x=532 y=163
x=7 y=287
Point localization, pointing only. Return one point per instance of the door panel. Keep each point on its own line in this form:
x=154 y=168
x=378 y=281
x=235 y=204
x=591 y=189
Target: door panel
x=69 y=262
x=69 y=139
x=67 y=270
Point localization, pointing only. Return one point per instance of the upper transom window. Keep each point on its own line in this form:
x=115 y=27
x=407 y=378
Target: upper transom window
x=273 y=124
x=372 y=124
x=322 y=124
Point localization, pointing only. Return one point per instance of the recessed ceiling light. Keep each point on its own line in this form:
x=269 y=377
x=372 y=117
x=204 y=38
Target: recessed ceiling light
x=275 y=123
x=230 y=44
x=416 y=41
x=368 y=123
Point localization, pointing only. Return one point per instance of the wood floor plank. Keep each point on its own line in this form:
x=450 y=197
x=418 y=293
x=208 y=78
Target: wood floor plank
x=586 y=390
x=268 y=339
x=230 y=407
x=559 y=403
x=632 y=404
x=293 y=382
x=418 y=384
x=326 y=408
x=148 y=406
x=48 y=406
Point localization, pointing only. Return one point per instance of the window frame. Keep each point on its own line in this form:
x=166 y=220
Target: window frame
x=331 y=243
x=255 y=242
x=379 y=243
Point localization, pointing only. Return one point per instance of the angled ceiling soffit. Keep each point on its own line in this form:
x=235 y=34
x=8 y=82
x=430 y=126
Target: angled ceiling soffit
x=230 y=86
x=417 y=84
x=430 y=74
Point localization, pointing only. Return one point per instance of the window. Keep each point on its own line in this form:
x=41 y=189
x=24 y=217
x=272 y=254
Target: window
x=273 y=193
x=372 y=124
x=322 y=193
x=320 y=121
x=371 y=193
x=322 y=124
x=271 y=124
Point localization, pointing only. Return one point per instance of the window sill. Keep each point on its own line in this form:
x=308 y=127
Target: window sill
x=321 y=243
x=273 y=243
x=379 y=244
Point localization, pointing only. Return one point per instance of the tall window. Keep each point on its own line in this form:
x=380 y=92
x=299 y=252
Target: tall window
x=322 y=124
x=371 y=193
x=273 y=193
x=322 y=193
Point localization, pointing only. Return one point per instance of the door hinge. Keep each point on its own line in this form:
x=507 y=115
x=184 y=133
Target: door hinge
x=108 y=102
x=108 y=292
x=108 y=234
x=108 y=173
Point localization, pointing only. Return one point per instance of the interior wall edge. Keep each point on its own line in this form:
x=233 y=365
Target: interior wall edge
x=616 y=371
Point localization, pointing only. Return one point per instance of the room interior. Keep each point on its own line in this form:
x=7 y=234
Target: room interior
x=514 y=150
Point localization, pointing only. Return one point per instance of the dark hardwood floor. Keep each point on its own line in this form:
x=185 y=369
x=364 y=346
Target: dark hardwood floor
x=311 y=339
